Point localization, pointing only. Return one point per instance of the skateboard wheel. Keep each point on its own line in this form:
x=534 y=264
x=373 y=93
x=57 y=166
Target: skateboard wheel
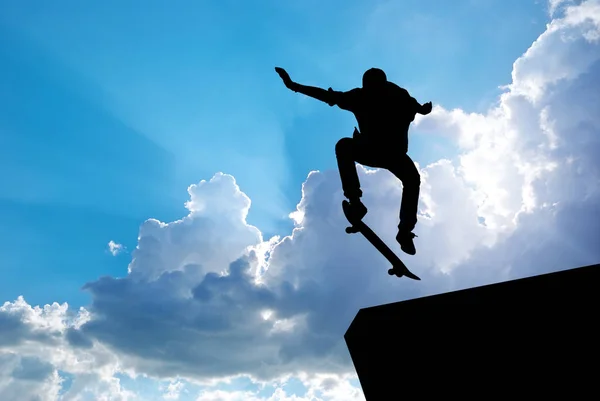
x=391 y=272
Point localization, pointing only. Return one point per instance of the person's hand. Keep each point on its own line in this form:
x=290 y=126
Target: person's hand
x=285 y=77
x=426 y=109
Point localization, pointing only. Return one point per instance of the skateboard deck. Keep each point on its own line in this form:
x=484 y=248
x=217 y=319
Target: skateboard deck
x=398 y=269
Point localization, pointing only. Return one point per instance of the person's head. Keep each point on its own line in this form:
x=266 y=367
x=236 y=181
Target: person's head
x=373 y=77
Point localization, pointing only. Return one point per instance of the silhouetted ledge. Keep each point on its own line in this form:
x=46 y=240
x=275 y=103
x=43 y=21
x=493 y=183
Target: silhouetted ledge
x=535 y=336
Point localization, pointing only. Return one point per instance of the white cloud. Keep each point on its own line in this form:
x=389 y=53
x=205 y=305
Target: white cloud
x=36 y=343
x=206 y=297
x=555 y=5
x=114 y=248
x=212 y=235
x=318 y=388
x=27 y=378
x=173 y=390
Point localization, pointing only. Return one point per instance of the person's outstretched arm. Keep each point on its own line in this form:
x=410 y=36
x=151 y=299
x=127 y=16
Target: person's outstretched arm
x=327 y=96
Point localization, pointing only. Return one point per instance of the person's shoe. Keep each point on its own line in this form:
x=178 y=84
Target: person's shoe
x=358 y=208
x=405 y=239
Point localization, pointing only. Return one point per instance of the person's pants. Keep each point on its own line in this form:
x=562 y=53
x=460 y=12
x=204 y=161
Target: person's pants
x=360 y=150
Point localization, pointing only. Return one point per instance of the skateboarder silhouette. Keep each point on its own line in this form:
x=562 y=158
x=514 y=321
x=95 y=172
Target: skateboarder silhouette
x=383 y=111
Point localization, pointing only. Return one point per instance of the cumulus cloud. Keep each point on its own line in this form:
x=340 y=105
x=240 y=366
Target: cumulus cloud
x=532 y=159
x=37 y=344
x=173 y=390
x=318 y=387
x=114 y=248
x=27 y=378
x=555 y=5
x=208 y=297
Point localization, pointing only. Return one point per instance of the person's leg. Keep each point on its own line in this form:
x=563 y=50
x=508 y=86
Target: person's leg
x=345 y=155
x=348 y=151
x=406 y=171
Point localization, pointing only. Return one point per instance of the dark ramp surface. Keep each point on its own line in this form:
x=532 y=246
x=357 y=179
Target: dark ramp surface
x=532 y=337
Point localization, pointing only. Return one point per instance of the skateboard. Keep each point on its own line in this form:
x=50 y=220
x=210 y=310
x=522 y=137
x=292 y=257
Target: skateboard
x=398 y=268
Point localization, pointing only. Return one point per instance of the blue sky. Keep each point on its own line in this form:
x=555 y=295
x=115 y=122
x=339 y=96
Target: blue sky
x=110 y=110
